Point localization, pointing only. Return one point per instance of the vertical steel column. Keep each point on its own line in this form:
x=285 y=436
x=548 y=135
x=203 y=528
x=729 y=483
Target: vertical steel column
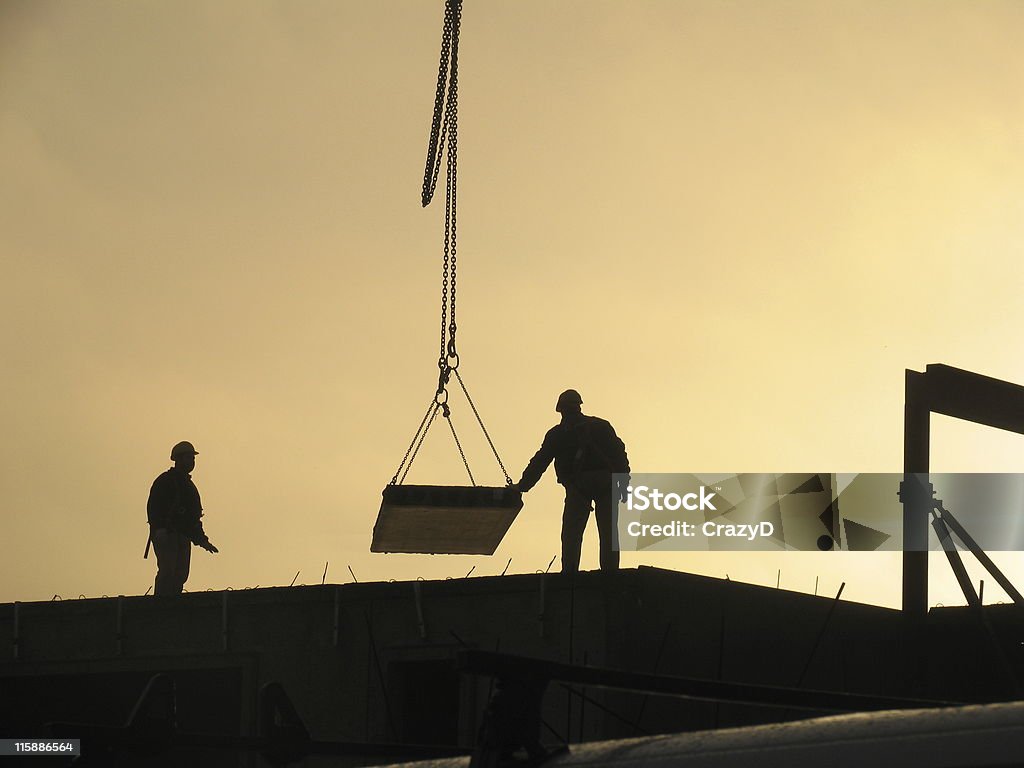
x=916 y=436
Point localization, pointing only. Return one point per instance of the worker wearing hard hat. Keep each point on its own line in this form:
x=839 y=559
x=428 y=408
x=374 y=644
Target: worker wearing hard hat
x=586 y=452
x=175 y=511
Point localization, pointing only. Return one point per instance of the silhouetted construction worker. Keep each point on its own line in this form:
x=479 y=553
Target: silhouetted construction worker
x=175 y=511
x=586 y=452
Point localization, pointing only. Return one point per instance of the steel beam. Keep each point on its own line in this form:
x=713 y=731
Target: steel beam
x=510 y=667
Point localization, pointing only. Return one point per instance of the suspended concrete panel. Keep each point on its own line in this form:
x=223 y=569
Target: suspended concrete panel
x=444 y=520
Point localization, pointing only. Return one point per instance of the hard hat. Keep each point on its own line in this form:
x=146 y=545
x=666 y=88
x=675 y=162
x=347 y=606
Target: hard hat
x=569 y=397
x=184 y=448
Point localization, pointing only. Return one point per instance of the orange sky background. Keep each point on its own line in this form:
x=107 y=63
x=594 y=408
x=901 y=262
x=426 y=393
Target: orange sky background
x=730 y=225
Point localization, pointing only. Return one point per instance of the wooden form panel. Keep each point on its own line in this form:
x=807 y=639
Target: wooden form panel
x=450 y=520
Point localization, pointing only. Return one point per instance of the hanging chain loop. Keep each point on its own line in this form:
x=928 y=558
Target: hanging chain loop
x=435 y=145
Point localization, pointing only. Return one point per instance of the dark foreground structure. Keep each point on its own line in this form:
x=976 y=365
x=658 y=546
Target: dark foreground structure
x=384 y=672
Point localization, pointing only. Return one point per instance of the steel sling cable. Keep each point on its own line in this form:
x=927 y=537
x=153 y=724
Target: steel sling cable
x=472 y=405
x=431 y=407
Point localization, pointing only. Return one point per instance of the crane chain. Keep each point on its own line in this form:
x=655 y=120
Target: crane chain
x=443 y=141
x=444 y=135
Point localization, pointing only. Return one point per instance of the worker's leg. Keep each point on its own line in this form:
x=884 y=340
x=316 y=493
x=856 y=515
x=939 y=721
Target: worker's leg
x=605 y=510
x=166 y=546
x=184 y=560
x=574 y=522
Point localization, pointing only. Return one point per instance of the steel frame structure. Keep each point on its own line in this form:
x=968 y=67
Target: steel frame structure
x=963 y=395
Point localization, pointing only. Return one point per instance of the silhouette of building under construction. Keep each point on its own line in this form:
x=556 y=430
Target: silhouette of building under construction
x=377 y=663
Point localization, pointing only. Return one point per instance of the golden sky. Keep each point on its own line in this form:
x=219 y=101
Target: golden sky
x=730 y=225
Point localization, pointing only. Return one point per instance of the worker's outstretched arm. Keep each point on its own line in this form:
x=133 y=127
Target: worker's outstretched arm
x=538 y=465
